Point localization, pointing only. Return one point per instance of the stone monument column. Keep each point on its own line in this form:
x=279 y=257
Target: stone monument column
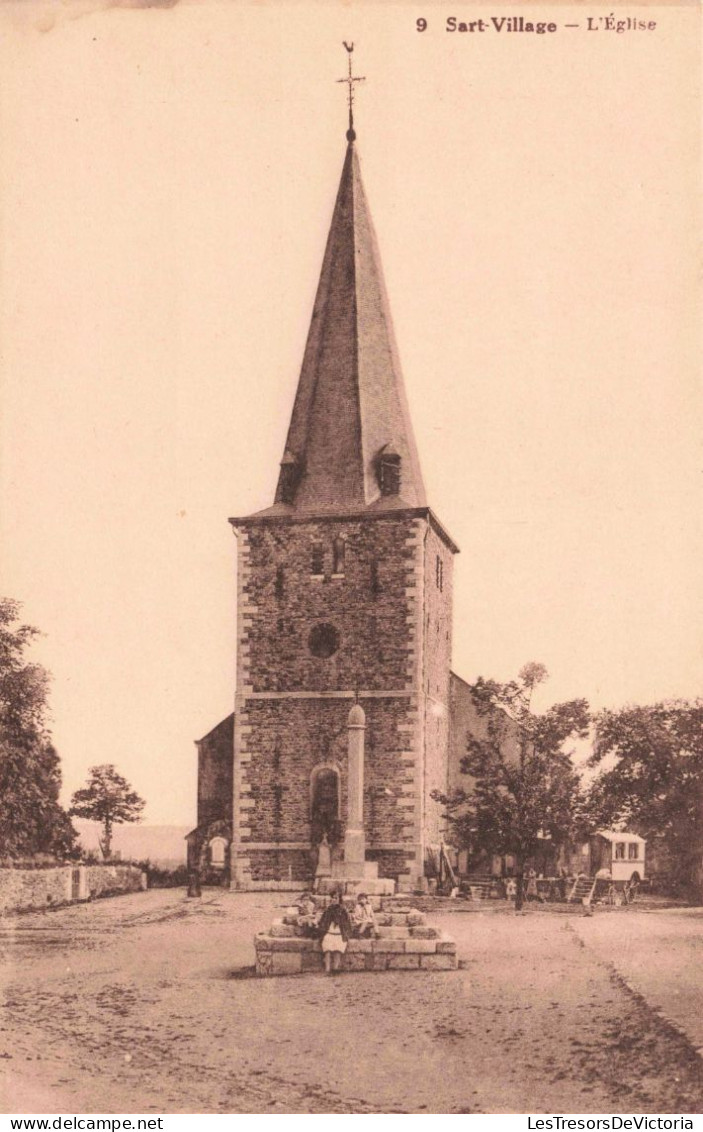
x=354 y=839
x=355 y=868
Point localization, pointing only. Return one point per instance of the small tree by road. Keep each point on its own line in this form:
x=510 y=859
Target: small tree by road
x=524 y=786
x=109 y=799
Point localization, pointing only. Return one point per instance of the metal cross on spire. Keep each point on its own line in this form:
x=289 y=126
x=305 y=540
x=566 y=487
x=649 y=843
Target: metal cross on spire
x=350 y=80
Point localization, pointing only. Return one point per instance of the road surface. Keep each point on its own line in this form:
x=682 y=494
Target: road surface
x=140 y=1004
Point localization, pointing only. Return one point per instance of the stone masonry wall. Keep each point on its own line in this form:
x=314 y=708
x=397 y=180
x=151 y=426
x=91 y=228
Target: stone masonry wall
x=112 y=880
x=466 y=722
x=23 y=890
x=438 y=571
x=292 y=738
x=393 y=862
x=281 y=865
x=292 y=706
x=366 y=604
x=215 y=754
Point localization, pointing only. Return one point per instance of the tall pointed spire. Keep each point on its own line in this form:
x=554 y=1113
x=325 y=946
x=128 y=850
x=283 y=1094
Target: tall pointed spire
x=350 y=443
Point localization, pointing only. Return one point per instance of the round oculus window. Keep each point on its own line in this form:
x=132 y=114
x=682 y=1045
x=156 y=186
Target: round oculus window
x=323 y=641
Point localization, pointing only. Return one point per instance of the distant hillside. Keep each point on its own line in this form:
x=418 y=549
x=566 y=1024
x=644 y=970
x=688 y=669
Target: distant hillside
x=161 y=844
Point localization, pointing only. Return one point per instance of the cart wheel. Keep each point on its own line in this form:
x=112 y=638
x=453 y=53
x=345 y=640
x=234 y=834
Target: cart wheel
x=631 y=888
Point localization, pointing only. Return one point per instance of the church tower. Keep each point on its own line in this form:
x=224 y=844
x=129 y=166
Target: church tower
x=344 y=593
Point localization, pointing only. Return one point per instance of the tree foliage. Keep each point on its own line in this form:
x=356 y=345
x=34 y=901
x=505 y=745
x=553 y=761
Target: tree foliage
x=651 y=780
x=109 y=799
x=31 y=819
x=524 y=786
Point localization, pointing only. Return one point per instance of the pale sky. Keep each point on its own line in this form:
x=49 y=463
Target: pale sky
x=167 y=177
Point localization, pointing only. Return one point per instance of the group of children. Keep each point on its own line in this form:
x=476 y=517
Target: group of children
x=336 y=926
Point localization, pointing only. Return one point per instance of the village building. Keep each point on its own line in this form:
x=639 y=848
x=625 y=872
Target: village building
x=344 y=595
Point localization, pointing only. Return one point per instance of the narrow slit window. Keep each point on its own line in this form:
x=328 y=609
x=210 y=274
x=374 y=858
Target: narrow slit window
x=375 y=583
x=338 y=552
x=280 y=583
x=317 y=565
x=439 y=574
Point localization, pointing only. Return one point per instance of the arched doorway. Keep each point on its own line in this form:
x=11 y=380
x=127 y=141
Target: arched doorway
x=325 y=804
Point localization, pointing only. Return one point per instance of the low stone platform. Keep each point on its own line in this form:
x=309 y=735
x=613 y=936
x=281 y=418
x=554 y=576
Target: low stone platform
x=405 y=943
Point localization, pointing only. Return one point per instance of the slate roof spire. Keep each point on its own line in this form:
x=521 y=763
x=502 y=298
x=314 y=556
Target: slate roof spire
x=350 y=406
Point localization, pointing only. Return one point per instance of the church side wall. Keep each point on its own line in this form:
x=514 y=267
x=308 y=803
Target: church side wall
x=438 y=573
x=466 y=723
x=215 y=774
x=292 y=707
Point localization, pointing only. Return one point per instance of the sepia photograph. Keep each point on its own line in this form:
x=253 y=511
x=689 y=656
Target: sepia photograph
x=351 y=680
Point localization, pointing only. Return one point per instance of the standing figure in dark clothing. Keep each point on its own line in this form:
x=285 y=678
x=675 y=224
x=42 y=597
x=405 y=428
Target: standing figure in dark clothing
x=335 y=932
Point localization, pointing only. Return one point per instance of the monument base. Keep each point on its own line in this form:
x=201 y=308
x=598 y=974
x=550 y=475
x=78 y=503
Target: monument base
x=352 y=886
x=402 y=941
x=355 y=870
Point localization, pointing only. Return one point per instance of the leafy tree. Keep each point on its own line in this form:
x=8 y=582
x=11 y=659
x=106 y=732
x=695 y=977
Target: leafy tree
x=31 y=819
x=524 y=785
x=651 y=779
x=109 y=799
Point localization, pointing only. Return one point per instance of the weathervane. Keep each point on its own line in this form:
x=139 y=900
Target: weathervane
x=350 y=80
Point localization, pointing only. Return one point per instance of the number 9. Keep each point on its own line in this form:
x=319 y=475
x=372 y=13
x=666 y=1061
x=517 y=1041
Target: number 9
x=421 y=24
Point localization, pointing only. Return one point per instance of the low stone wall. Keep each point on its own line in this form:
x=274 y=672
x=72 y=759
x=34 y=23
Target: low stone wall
x=25 y=890
x=294 y=956
x=112 y=880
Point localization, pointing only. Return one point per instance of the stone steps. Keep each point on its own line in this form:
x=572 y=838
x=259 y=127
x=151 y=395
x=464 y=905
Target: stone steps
x=294 y=955
x=404 y=942
x=582 y=891
x=411 y=918
x=479 y=887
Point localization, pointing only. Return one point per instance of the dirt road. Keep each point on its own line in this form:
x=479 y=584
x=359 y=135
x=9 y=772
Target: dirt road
x=660 y=957
x=130 y=1005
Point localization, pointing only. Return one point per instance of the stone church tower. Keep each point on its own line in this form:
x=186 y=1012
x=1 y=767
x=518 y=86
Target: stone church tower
x=344 y=592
